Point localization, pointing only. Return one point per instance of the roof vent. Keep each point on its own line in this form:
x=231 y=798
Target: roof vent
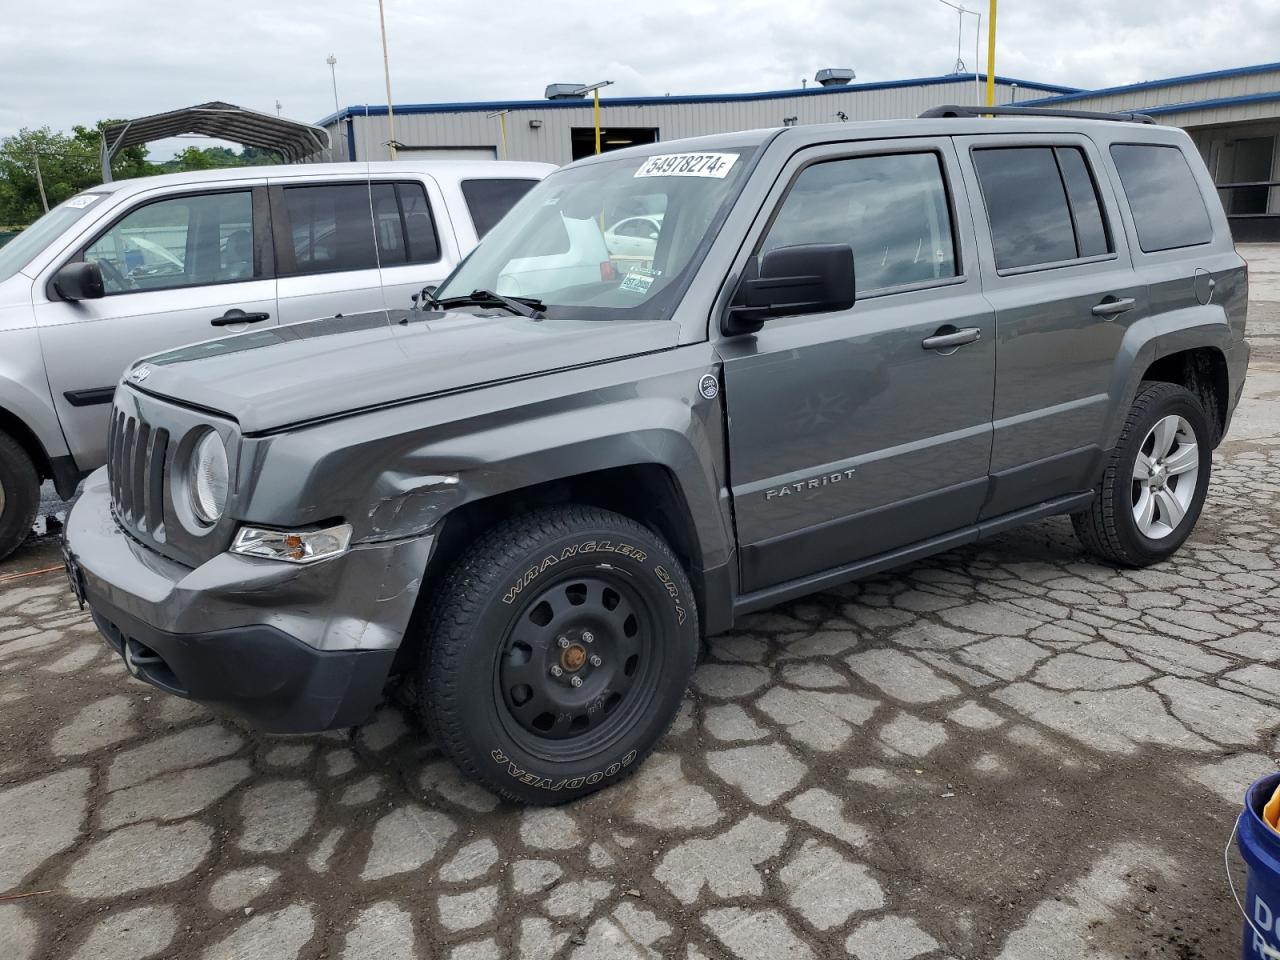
x=566 y=91
x=835 y=76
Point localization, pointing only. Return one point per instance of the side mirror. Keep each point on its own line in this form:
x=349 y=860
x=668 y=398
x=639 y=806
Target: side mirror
x=79 y=281
x=809 y=278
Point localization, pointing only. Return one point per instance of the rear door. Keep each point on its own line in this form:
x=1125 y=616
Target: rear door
x=177 y=268
x=329 y=260
x=854 y=433
x=1059 y=275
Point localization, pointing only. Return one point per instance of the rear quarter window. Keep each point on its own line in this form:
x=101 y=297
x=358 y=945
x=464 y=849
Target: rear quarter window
x=488 y=201
x=1168 y=208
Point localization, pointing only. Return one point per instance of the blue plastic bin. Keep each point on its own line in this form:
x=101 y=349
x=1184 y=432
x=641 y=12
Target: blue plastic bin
x=1260 y=847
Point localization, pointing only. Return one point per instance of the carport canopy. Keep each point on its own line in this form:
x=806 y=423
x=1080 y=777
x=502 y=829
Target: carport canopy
x=223 y=121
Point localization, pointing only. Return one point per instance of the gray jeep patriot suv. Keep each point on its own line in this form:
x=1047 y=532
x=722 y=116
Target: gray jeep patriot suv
x=849 y=346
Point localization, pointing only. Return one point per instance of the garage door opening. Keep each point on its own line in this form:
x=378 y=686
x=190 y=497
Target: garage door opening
x=583 y=139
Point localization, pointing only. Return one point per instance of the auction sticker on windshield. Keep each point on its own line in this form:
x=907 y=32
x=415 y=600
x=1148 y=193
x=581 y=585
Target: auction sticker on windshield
x=715 y=165
x=83 y=200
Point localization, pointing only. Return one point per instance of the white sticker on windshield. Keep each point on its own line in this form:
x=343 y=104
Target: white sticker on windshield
x=715 y=165
x=76 y=203
x=636 y=282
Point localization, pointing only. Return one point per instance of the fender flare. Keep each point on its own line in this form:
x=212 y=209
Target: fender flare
x=1153 y=338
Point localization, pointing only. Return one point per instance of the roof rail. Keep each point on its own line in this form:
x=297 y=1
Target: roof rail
x=952 y=110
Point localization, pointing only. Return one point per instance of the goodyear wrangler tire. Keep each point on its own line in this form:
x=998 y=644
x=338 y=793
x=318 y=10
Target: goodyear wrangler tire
x=558 y=653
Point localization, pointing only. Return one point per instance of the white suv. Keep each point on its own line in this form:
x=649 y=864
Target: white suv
x=136 y=266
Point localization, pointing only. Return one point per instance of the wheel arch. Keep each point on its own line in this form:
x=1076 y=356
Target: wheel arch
x=1203 y=371
x=1187 y=347
x=648 y=492
x=26 y=438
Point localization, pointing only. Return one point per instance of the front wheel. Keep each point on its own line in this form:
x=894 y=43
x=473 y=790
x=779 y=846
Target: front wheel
x=558 y=653
x=1154 y=484
x=19 y=494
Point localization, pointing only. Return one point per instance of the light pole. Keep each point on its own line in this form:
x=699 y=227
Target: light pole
x=960 y=68
x=386 y=69
x=502 y=122
x=594 y=90
x=332 y=61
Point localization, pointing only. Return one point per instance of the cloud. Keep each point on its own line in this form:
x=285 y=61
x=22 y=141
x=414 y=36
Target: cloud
x=72 y=63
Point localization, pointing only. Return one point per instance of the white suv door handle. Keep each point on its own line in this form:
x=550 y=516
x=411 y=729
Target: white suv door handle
x=1114 y=306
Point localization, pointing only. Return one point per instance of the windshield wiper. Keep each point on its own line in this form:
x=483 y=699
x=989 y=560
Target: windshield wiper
x=524 y=306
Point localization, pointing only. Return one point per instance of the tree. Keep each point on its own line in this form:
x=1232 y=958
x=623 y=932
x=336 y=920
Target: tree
x=68 y=165
x=210 y=158
x=65 y=167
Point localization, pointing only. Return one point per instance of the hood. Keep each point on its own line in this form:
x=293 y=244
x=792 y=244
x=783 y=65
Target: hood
x=285 y=375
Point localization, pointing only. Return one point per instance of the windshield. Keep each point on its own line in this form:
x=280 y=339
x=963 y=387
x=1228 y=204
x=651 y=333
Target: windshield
x=22 y=249
x=610 y=240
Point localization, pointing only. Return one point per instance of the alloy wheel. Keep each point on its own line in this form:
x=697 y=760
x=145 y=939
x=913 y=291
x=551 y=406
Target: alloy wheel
x=1164 y=477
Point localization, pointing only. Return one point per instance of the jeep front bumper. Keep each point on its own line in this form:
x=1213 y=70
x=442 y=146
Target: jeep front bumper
x=290 y=648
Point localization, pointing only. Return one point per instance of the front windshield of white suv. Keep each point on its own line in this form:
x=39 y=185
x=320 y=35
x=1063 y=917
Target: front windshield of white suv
x=23 y=248
x=602 y=240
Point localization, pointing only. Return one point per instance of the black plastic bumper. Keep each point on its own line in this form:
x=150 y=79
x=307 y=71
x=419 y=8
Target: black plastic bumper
x=278 y=683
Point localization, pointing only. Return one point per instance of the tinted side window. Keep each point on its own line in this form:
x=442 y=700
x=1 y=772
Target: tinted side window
x=1168 y=209
x=1091 y=230
x=1026 y=206
x=892 y=210
x=489 y=200
x=185 y=241
x=333 y=229
x=1042 y=205
x=419 y=224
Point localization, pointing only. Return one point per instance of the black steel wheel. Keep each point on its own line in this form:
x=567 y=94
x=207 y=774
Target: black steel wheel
x=578 y=664
x=558 y=651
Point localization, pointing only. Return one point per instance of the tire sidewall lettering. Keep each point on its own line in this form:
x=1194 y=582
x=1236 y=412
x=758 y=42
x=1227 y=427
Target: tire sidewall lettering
x=551 y=559
x=531 y=778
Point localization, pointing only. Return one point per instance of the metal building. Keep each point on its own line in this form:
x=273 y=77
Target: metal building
x=561 y=130
x=1234 y=118
x=1233 y=115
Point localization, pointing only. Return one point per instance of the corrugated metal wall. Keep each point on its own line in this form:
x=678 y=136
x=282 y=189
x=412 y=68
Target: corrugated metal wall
x=1203 y=105
x=1233 y=84
x=550 y=143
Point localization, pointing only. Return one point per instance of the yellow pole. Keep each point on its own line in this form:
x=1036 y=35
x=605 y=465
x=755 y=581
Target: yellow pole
x=596 y=94
x=502 y=117
x=991 y=56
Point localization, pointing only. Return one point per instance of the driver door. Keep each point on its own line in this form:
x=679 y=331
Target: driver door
x=176 y=270
x=857 y=433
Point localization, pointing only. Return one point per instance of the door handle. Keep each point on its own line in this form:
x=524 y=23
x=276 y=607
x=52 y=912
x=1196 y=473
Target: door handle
x=952 y=339
x=1114 y=306
x=238 y=316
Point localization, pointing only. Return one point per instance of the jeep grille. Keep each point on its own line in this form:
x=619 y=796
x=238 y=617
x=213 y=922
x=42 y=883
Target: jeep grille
x=135 y=468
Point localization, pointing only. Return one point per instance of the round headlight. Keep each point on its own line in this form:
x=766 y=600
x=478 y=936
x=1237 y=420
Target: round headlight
x=208 y=478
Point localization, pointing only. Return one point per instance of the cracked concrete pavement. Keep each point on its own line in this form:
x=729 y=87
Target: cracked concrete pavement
x=1005 y=751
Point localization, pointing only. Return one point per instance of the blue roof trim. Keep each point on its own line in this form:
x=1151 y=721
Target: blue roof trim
x=1158 y=84
x=1211 y=104
x=495 y=105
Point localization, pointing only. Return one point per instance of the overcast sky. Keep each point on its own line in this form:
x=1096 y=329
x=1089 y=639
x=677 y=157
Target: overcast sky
x=75 y=62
